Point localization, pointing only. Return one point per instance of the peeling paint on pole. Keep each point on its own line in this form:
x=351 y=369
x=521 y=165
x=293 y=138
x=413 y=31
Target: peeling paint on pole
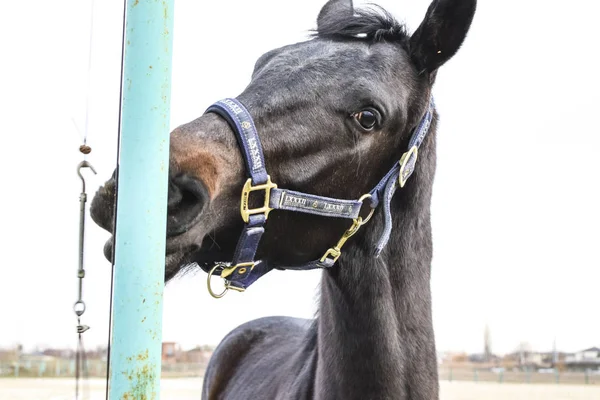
x=142 y=202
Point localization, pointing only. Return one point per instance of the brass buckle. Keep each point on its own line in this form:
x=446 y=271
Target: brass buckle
x=265 y=209
x=228 y=285
x=242 y=266
x=402 y=176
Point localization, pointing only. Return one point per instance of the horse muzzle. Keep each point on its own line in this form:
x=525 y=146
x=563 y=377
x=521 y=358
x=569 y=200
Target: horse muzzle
x=187 y=199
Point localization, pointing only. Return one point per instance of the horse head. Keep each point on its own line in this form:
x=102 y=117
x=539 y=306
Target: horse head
x=334 y=114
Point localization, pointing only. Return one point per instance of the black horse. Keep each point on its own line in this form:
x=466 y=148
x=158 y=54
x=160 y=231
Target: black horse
x=334 y=114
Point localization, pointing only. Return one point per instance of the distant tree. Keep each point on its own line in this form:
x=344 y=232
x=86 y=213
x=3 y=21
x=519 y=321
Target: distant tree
x=524 y=349
x=487 y=344
x=554 y=354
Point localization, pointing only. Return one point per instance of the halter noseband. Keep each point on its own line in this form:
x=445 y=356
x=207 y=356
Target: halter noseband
x=243 y=269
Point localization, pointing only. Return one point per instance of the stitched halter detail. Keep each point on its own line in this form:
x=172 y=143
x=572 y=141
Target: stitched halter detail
x=244 y=270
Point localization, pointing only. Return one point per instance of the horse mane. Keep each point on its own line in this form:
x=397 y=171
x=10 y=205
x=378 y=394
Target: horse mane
x=373 y=23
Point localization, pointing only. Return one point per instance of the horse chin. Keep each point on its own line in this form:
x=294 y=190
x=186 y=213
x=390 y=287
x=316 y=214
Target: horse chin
x=108 y=248
x=174 y=262
x=175 y=259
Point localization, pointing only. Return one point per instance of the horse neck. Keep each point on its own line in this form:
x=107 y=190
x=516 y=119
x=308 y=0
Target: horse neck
x=375 y=332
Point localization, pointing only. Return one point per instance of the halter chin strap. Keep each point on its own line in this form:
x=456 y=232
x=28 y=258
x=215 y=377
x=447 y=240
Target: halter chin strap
x=244 y=270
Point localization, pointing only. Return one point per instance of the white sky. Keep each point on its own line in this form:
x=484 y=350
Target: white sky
x=515 y=209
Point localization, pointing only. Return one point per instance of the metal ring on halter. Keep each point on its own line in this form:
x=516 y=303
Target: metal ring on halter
x=210 y=274
x=362 y=199
x=79 y=308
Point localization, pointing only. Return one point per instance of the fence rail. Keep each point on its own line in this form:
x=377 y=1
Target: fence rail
x=93 y=368
x=447 y=373
x=97 y=368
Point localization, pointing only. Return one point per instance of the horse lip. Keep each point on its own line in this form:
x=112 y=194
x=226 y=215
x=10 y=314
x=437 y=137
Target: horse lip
x=110 y=243
x=102 y=208
x=108 y=249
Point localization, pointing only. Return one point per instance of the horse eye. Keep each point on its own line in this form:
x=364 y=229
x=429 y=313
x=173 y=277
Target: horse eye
x=366 y=118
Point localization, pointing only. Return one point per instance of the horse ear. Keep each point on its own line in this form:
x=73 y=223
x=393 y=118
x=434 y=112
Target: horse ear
x=332 y=9
x=441 y=33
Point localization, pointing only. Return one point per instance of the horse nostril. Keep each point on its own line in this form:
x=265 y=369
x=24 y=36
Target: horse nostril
x=187 y=198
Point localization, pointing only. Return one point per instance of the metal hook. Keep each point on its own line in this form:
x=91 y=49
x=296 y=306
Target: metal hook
x=84 y=164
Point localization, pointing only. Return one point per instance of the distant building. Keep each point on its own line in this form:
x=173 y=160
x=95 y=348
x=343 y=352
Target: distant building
x=11 y=354
x=484 y=358
x=526 y=359
x=554 y=358
x=170 y=352
x=199 y=355
x=59 y=353
x=584 y=360
x=450 y=357
x=100 y=353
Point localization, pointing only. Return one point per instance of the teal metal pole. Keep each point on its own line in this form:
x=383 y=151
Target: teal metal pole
x=136 y=332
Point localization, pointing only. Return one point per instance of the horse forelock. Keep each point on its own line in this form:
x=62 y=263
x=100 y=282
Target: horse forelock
x=372 y=23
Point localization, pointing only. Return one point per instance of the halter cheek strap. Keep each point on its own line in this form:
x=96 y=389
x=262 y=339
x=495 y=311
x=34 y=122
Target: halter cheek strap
x=244 y=269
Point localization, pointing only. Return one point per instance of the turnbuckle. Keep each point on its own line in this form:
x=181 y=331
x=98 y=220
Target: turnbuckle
x=335 y=252
x=79 y=306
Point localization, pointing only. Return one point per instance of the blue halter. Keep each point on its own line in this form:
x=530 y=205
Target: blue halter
x=244 y=270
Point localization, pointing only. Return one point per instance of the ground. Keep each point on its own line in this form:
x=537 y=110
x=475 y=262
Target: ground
x=189 y=388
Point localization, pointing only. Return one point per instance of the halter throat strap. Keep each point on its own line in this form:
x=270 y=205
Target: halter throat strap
x=244 y=269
